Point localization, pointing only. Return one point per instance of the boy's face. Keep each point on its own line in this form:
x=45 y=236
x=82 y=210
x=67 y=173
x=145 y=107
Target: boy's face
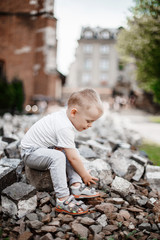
x=83 y=119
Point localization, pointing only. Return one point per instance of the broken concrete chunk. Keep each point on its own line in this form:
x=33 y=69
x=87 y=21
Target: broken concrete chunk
x=98 y=165
x=47 y=236
x=100 y=149
x=139 y=159
x=139 y=171
x=8 y=139
x=101 y=169
x=1 y=154
x=1 y=131
x=121 y=163
x=83 y=137
x=153 y=176
x=3 y=144
x=80 y=230
x=8 y=174
x=122 y=186
x=102 y=220
x=87 y=152
x=12 y=150
x=7 y=177
x=35 y=224
x=25 y=235
x=152 y=168
x=10 y=162
x=19 y=191
x=18 y=200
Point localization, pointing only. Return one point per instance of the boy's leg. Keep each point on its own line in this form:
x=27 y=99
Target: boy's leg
x=55 y=161
x=73 y=176
x=79 y=190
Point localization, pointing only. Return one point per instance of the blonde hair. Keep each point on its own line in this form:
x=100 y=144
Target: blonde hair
x=86 y=98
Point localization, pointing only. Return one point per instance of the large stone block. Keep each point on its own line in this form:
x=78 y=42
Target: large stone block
x=41 y=180
x=122 y=161
x=18 y=200
x=8 y=174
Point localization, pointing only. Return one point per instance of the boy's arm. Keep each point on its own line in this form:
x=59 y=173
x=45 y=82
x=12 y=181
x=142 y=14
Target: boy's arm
x=78 y=166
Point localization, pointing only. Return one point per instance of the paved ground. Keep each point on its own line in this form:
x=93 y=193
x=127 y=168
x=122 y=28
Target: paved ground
x=140 y=122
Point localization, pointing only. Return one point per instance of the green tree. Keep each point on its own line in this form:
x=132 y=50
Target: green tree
x=141 y=41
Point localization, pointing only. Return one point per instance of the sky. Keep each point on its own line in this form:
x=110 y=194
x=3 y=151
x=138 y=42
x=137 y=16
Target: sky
x=72 y=15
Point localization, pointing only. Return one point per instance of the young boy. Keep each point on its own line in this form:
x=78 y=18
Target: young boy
x=49 y=144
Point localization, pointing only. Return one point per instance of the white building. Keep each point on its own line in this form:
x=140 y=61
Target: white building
x=97 y=63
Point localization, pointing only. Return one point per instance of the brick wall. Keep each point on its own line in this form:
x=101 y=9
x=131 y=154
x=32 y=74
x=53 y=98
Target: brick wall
x=23 y=47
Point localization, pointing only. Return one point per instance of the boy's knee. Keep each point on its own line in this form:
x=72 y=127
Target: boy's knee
x=60 y=155
x=58 y=159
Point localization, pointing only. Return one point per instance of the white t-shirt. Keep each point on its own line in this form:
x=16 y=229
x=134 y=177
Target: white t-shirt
x=55 y=129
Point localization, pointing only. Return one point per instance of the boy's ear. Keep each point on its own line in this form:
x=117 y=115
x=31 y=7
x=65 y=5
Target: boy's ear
x=73 y=111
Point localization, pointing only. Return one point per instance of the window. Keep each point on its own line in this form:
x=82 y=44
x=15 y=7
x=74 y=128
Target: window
x=86 y=77
x=105 y=35
x=88 y=64
x=87 y=48
x=88 y=34
x=104 y=49
x=104 y=64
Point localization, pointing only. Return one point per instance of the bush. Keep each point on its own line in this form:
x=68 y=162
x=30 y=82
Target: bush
x=18 y=95
x=11 y=95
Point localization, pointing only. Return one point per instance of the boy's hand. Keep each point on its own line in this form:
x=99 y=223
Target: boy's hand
x=77 y=164
x=88 y=179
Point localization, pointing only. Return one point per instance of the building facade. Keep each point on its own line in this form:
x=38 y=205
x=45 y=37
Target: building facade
x=97 y=62
x=28 y=46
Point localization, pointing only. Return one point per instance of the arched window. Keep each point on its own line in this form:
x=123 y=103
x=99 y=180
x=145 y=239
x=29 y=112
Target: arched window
x=105 y=35
x=88 y=34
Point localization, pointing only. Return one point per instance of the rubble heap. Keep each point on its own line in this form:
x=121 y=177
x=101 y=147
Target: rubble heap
x=129 y=202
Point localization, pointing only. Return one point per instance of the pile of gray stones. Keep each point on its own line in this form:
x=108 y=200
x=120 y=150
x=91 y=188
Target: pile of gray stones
x=129 y=186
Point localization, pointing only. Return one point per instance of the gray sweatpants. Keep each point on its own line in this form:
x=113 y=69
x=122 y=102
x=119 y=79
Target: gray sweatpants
x=57 y=163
